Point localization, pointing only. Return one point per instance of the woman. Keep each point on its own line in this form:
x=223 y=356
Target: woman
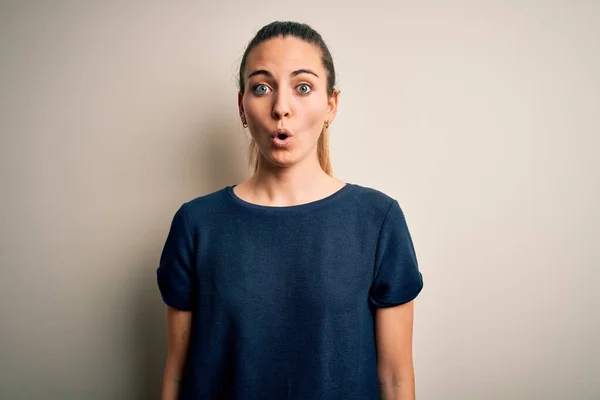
x=293 y=284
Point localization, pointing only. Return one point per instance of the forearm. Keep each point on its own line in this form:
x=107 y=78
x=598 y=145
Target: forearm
x=170 y=384
x=179 y=326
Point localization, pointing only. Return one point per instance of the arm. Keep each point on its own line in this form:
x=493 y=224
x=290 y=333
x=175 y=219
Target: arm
x=394 y=326
x=178 y=327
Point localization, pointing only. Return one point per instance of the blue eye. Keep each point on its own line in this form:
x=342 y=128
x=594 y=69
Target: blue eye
x=261 y=89
x=306 y=89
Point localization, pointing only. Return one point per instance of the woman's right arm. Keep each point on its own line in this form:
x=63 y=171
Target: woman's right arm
x=178 y=329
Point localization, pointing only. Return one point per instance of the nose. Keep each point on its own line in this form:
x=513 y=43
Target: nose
x=281 y=106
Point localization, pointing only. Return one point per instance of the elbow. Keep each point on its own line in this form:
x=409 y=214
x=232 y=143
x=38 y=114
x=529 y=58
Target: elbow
x=396 y=375
x=397 y=384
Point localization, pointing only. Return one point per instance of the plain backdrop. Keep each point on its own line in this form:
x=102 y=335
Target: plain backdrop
x=480 y=117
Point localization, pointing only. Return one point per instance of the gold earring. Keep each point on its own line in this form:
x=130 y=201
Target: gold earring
x=326 y=124
x=244 y=123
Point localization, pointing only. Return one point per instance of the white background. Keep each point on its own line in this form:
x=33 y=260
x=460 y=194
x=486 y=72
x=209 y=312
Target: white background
x=480 y=117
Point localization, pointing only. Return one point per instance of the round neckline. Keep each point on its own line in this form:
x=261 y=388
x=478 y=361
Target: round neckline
x=298 y=207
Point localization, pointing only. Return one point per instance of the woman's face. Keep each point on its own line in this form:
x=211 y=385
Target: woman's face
x=286 y=90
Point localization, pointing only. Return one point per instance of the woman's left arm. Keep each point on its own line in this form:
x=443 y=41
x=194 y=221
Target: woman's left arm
x=394 y=329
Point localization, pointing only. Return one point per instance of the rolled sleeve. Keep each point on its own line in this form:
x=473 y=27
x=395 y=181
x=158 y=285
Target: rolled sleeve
x=175 y=274
x=397 y=276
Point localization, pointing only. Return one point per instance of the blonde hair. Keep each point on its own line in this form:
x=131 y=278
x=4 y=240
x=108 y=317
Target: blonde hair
x=322 y=153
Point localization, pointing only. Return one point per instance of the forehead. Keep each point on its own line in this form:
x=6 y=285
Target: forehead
x=283 y=55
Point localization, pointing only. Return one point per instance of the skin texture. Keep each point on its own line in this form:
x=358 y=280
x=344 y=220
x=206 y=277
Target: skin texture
x=394 y=331
x=284 y=98
x=280 y=97
x=178 y=336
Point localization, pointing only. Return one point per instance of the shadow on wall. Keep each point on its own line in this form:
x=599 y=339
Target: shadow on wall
x=219 y=161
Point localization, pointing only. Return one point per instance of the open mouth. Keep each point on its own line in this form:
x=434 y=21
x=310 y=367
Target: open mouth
x=282 y=139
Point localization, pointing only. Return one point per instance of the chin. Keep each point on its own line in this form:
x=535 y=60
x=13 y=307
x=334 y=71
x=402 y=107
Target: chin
x=279 y=158
x=283 y=162
x=284 y=157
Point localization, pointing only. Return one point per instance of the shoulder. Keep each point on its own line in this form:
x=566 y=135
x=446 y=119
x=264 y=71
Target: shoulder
x=373 y=199
x=207 y=200
x=203 y=207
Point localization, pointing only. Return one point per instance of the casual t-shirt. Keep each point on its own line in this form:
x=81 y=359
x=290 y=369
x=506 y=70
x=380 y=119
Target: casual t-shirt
x=283 y=298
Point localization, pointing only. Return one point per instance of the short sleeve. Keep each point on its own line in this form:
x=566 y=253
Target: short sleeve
x=397 y=277
x=176 y=268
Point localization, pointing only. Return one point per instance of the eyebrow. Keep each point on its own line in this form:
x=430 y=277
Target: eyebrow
x=293 y=74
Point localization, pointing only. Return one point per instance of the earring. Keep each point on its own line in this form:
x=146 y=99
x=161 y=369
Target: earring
x=244 y=123
x=326 y=124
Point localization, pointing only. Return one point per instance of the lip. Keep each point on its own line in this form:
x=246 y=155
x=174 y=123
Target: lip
x=277 y=142
x=280 y=131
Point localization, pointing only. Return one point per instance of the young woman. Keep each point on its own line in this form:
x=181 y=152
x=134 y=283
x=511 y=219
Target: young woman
x=293 y=284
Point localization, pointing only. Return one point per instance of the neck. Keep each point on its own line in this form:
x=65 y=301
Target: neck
x=301 y=183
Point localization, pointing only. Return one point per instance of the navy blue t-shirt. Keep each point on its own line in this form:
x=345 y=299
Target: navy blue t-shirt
x=283 y=298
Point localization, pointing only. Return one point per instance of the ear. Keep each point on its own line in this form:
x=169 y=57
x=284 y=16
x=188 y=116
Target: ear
x=332 y=105
x=241 y=104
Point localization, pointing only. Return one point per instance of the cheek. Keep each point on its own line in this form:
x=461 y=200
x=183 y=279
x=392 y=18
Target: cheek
x=311 y=114
x=250 y=108
x=315 y=117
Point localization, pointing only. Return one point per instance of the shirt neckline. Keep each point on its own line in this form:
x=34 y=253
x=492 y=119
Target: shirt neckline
x=298 y=207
